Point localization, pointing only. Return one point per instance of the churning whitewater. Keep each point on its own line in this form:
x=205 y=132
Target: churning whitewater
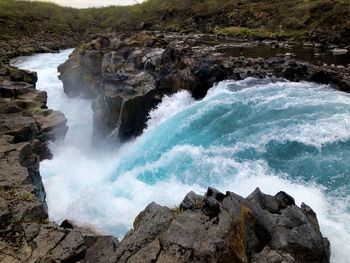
x=274 y=134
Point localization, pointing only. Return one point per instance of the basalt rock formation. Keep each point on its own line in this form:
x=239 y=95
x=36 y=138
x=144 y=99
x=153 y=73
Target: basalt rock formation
x=26 y=125
x=216 y=227
x=226 y=227
x=127 y=75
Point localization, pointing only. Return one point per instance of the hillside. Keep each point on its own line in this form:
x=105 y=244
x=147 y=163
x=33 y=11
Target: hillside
x=322 y=20
x=319 y=20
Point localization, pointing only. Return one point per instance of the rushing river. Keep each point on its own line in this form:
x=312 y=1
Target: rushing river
x=276 y=135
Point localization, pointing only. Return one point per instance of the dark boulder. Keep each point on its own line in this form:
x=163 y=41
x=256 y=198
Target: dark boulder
x=226 y=228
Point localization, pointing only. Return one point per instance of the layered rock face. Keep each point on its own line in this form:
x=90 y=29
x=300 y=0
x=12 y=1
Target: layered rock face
x=127 y=75
x=26 y=125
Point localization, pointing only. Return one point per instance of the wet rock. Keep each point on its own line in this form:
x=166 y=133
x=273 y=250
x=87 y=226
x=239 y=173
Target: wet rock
x=323 y=76
x=134 y=115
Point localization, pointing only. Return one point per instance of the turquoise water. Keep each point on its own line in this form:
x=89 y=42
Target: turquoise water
x=274 y=134
x=298 y=130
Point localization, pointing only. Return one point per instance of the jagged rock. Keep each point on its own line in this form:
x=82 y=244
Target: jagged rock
x=53 y=125
x=25 y=123
x=259 y=228
x=191 y=201
x=23 y=76
x=71 y=248
x=100 y=249
x=67 y=224
x=127 y=75
x=22 y=126
x=147 y=225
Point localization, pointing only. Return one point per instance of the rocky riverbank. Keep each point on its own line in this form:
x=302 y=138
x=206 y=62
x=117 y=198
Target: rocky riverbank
x=127 y=75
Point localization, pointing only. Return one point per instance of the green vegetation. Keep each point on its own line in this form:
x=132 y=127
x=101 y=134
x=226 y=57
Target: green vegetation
x=259 y=33
x=250 y=18
x=25 y=196
x=33 y=219
x=176 y=211
x=25 y=19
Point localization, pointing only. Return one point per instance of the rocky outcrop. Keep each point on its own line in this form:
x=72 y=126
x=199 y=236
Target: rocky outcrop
x=127 y=75
x=26 y=125
x=216 y=227
x=226 y=227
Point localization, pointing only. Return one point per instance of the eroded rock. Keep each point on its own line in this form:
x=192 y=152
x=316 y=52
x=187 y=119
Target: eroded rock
x=221 y=227
x=127 y=75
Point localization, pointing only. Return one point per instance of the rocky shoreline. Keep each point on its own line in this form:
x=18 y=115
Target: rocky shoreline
x=126 y=76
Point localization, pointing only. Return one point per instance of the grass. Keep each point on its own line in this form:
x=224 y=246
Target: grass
x=176 y=211
x=250 y=18
x=259 y=33
x=25 y=196
x=13 y=194
x=23 y=19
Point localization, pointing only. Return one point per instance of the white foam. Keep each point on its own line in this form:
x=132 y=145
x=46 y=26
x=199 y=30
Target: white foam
x=170 y=106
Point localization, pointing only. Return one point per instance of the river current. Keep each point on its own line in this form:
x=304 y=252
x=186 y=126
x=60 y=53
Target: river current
x=272 y=134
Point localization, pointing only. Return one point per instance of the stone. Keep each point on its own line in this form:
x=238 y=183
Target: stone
x=267 y=202
x=101 y=249
x=284 y=200
x=243 y=230
x=23 y=75
x=192 y=201
x=67 y=224
x=53 y=125
x=71 y=249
